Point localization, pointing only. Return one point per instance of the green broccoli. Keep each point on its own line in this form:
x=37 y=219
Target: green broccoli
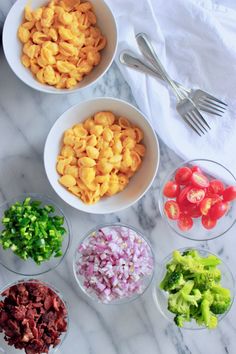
x=187 y=262
x=180 y=319
x=207 y=318
x=172 y=281
x=195 y=292
x=207 y=278
x=180 y=302
x=221 y=299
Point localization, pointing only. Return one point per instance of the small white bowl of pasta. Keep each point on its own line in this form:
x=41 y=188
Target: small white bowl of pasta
x=131 y=178
x=47 y=46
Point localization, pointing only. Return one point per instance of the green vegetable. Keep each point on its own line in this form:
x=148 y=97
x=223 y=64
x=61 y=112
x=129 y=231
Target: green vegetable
x=222 y=299
x=195 y=292
x=32 y=231
x=173 y=280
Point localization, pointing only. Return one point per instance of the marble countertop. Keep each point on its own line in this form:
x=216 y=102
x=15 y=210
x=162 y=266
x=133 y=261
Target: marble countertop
x=135 y=328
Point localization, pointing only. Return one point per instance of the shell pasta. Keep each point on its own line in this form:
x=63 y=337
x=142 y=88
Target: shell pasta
x=99 y=156
x=61 y=42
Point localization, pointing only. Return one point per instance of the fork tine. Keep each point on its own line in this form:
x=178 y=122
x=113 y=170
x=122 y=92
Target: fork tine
x=207 y=109
x=211 y=109
x=212 y=98
x=200 y=118
x=186 y=119
x=195 y=123
x=213 y=105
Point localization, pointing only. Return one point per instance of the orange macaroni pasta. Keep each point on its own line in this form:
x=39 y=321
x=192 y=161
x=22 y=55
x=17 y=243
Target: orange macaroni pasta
x=99 y=156
x=61 y=42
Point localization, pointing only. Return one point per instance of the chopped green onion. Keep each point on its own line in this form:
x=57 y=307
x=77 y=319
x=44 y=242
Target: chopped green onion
x=32 y=232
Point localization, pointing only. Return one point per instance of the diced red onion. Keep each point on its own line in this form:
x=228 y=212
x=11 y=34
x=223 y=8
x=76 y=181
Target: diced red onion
x=114 y=262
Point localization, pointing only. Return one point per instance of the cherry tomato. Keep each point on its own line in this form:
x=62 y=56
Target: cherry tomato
x=195 y=195
x=183 y=175
x=199 y=180
x=185 y=222
x=171 y=189
x=218 y=210
x=205 y=205
x=195 y=211
x=207 y=222
x=182 y=197
x=196 y=169
x=216 y=187
x=190 y=209
x=172 y=210
x=215 y=197
x=229 y=193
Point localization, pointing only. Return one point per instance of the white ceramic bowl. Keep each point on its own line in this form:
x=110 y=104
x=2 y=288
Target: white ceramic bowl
x=138 y=184
x=13 y=47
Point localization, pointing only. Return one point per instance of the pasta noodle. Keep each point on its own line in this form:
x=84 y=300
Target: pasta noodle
x=99 y=156
x=63 y=39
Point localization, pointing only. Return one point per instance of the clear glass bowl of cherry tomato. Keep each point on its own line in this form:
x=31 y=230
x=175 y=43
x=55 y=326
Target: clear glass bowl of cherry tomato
x=198 y=199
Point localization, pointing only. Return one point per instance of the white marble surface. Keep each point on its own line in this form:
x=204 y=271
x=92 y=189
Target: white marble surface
x=136 y=328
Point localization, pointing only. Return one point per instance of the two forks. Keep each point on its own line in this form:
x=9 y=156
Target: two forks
x=189 y=101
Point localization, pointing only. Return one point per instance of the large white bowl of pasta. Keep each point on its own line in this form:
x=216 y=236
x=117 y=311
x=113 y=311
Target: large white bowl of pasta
x=101 y=155
x=60 y=46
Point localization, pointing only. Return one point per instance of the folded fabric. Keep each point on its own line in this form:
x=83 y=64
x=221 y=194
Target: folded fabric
x=195 y=40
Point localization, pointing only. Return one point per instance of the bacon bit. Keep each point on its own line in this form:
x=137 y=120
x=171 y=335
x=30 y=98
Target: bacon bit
x=32 y=317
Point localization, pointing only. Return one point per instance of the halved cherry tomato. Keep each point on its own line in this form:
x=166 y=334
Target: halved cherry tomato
x=195 y=195
x=171 y=189
x=207 y=222
x=182 y=197
x=185 y=222
x=196 y=169
x=195 y=211
x=218 y=210
x=183 y=175
x=172 y=210
x=190 y=209
x=216 y=187
x=215 y=198
x=199 y=180
x=229 y=193
x=205 y=205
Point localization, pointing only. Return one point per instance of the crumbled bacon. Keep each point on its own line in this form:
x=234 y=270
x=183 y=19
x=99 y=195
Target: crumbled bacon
x=32 y=317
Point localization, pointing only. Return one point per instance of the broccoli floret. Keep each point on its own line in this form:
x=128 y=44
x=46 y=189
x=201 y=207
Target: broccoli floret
x=181 y=301
x=180 y=319
x=221 y=299
x=207 y=278
x=172 y=281
x=210 y=261
x=187 y=262
x=193 y=283
x=206 y=317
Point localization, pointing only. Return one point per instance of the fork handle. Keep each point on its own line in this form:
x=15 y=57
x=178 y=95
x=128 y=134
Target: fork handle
x=149 y=53
x=129 y=59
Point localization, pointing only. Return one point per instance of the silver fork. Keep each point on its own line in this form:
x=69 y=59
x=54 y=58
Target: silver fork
x=185 y=106
x=202 y=99
x=199 y=97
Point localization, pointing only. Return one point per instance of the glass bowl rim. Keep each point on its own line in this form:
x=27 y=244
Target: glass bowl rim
x=66 y=221
x=161 y=204
x=56 y=291
x=124 y=300
x=158 y=273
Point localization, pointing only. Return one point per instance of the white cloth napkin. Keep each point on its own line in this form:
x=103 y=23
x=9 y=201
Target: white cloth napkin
x=196 y=42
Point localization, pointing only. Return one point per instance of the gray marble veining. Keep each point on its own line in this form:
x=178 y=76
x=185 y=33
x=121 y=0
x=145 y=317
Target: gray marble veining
x=136 y=328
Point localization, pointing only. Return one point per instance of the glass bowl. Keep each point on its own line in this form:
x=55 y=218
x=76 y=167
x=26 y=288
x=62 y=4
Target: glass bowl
x=146 y=281
x=213 y=170
x=28 y=267
x=161 y=297
x=7 y=349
